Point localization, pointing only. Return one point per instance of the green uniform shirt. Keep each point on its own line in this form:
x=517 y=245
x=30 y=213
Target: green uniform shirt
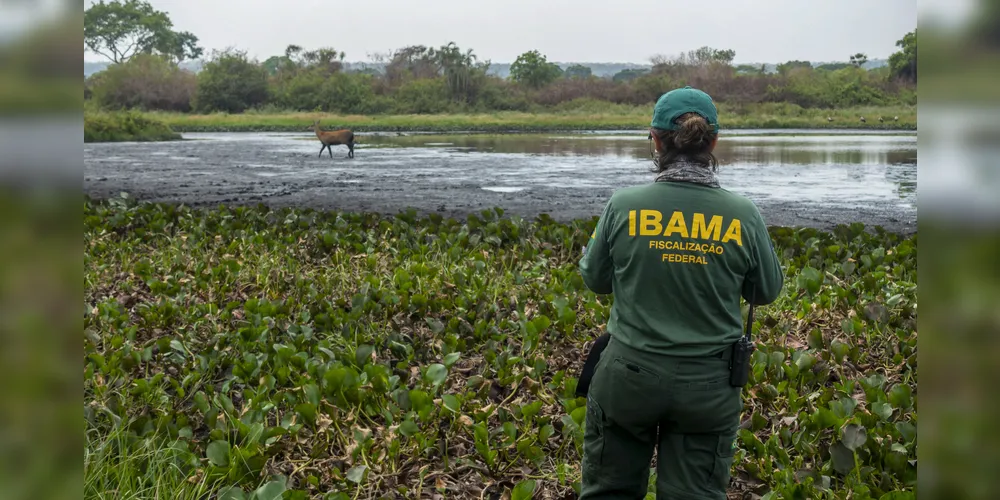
x=677 y=257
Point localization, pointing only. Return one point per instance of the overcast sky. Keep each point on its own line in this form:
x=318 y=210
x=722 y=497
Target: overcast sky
x=578 y=30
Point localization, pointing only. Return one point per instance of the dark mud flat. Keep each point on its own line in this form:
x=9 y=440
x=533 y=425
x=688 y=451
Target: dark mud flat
x=796 y=180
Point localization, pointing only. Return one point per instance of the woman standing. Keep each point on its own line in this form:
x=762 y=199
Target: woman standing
x=677 y=254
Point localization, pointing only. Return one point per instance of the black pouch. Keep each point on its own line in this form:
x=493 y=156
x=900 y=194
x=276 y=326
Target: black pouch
x=739 y=363
x=589 y=366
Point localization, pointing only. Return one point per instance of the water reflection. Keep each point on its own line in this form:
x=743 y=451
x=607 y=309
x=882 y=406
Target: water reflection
x=889 y=159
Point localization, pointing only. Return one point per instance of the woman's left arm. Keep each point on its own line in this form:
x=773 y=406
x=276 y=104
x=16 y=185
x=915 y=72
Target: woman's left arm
x=596 y=266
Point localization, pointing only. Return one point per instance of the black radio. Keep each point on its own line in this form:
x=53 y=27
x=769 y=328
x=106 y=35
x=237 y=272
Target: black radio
x=739 y=363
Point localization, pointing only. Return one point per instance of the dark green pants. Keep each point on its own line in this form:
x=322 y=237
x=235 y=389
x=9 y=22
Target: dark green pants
x=683 y=408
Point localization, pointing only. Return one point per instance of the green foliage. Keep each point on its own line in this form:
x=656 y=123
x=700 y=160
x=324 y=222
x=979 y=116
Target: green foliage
x=578 y=71
x=787 y=67
x=463 y=75
x=903 y=64
x=533 y=69
x=628 y=75
x=120 y=29
x=833 y=66
x=125 y=126
x=578 y=114
x=314 y=353
x=426 y=95
x=147 y=82
x=231 y=83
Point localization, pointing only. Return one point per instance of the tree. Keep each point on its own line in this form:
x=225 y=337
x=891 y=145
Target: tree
x=627 y=75
x=532 y=69
x=832 y=66
x=903 y=64
x=119 y=30
x=232 y=83
x=578 y=71
x=708 y=55
x=750 y=69
x=859 y=59
x=463 y=75
x=785 y=68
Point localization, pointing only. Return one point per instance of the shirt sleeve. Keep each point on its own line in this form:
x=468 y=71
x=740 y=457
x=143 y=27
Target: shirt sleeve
x=596 y=266
x=766 y=278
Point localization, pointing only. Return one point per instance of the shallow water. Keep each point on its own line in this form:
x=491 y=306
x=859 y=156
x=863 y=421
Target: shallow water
x=799 y=177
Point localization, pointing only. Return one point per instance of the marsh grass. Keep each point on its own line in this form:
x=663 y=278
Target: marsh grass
x=589 y=115
x=120 y=126
x=340 y=356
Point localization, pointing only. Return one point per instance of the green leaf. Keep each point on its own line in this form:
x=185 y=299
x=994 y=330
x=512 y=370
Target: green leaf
x=270 y=491
x=218 y=453
x=451 y=402
x=545 y=433
x=451 y=358
x=883 y=410
x=907 y=430
x=435 y=324
x=437 y=373
x=232 y=493
x=810 y=279
x=524 y=490
x=901 y=396
x=357 y=474
x=816 y=339
x=898 y=495
x=854 y=436
x=843 y=458
x=363 y=354
x=312 y=394
x=408 y=428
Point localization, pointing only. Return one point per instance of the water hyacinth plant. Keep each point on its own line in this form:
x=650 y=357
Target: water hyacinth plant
x=262 y=353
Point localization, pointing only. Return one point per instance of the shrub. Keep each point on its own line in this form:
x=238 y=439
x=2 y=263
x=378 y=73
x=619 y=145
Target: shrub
x=147 y=82
x=422 y=96
x=124 y=126
x=231 y=83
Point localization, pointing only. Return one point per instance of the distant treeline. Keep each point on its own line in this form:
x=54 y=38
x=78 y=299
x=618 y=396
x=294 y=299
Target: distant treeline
x=422 y=80
x=147 y=54
x=502 y=70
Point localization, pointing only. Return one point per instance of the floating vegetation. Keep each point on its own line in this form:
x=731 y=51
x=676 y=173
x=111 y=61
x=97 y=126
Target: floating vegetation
x=333 y=355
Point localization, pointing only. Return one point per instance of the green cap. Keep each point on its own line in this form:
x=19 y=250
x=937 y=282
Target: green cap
x=679 y=101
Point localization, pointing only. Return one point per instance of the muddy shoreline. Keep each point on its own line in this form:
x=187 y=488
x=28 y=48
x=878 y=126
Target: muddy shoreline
x=459 y=202
x=455 y=181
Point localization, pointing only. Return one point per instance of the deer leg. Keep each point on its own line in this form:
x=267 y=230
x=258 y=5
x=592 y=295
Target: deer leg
x=321 y=151
x=329 y=149
x=350 y=152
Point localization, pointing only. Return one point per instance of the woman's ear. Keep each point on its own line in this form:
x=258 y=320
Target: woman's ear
x=715 y=140
x=656 y=142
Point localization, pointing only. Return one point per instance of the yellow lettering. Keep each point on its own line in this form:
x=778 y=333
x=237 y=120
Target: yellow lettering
x=733 y=233
x=676 y=225
x=684 y=258
x=650 y=222
x=631 y=222
x=698 y=227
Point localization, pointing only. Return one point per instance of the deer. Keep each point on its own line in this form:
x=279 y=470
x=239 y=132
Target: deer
x=334 y=138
